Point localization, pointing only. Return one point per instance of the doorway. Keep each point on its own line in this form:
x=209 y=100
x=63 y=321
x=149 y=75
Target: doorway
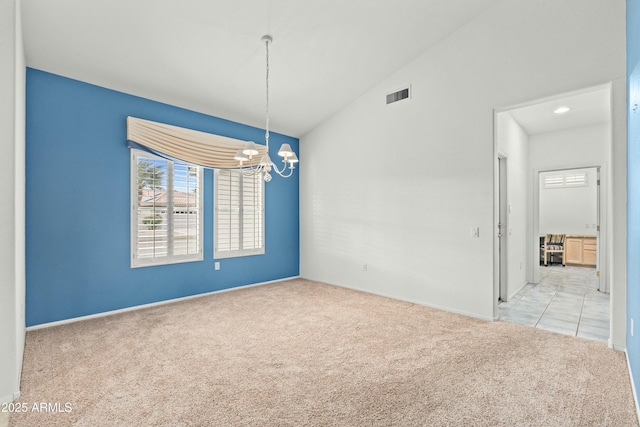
x=530 y=139
x=569 y=206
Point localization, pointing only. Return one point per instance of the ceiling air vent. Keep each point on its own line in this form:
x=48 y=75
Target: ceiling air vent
x=398 y=96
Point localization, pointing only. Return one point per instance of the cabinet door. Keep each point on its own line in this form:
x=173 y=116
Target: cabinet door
x=589 y=251
x=573 y=251
x=589 y=258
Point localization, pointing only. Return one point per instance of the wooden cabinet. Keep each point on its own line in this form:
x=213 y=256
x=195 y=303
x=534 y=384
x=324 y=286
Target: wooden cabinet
x=572 y=250
x=580 y=250
x=589 y=251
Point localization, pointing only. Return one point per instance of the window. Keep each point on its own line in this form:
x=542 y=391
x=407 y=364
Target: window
x=564 y=180
x=575 y=179
x=166 y=216
x=238 y=214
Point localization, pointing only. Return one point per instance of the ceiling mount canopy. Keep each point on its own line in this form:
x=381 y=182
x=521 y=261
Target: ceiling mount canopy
x=265 y=166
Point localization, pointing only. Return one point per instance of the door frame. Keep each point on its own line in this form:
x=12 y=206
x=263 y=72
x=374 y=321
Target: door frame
x=602 y=259
x=611 y=256
x=502 y=227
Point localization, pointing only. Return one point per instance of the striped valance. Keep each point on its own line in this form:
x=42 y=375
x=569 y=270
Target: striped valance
x=187 y=145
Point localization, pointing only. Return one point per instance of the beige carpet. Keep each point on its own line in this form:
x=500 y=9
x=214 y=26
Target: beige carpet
x=302 y=353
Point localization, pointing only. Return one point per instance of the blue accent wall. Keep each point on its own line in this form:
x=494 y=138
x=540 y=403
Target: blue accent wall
x=78 y=206
x=633 y=187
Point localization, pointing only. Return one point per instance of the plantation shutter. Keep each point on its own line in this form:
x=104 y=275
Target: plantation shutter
x=239 y=214
x=167 y=215
x=152 y=236
x=228 y=208
x=252 y=211
x=573 y=179
x=552 y=181
x=576 y=179
x=186 y=209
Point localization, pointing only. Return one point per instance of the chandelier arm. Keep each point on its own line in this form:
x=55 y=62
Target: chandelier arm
x=290 y=173
x=251 y=170
x=281 y=173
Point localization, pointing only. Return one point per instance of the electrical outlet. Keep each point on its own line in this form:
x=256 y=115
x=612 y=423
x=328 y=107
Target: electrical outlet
x=216 y=266
x=364 y=267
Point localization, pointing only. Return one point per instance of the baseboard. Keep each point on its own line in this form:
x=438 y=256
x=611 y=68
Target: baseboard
x=153 y=304
x=633 y=386
x=437 y=307
x=10 y=397
x=513 y=294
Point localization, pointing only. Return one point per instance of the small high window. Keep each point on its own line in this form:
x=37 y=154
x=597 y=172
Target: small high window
x=564 y=180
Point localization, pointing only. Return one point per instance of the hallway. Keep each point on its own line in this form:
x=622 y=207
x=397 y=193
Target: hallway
x=566 y=301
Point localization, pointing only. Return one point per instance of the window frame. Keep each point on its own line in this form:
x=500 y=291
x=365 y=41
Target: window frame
x=242 y=252
x=170 y=258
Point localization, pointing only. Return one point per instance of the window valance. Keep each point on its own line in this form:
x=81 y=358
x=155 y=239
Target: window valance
x=188 y=145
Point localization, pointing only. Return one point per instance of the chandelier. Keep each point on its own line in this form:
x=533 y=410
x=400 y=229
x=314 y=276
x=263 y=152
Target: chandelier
x=289 y=158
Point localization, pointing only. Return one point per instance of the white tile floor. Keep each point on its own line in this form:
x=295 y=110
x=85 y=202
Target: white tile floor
x=566 y=301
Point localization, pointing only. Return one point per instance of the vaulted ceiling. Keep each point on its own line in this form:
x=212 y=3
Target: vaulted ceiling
x=206 y=55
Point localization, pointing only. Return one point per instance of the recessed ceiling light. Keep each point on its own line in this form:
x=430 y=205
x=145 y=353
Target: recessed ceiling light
x=561 y=110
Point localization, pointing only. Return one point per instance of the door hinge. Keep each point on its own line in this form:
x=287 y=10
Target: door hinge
x=597 y=274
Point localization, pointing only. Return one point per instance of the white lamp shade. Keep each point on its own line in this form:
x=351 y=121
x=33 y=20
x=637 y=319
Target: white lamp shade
x=240 y=156
x=250 y=149
x=265 y=160
x=292 y=158
x=285 y=151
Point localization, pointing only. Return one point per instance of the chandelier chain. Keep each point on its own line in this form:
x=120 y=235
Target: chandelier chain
x=266 y=166
x=266 y=136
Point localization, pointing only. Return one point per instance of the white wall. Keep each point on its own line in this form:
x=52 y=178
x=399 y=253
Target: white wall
x=513 y=142
x=416 y=176
x=12 y=210
x=569 y=210
x=570 y=147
